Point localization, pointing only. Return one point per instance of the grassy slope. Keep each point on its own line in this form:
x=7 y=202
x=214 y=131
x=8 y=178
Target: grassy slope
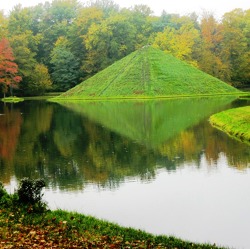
x=235 y=122
x=149 y=72
x=60 y=229
x=25 y=222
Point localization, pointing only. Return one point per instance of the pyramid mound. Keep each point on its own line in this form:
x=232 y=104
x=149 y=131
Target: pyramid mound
x=148 y=72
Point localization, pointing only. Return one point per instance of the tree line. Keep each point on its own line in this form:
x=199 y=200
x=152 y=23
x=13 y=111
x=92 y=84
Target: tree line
x=55 y=46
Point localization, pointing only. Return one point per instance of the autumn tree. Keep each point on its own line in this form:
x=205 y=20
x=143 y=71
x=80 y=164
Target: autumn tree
x=236 y=44
x=8 y=68
x=40 y=81
x=99 y=33
x=210 y=59
x=78 y=31
x=179 y=40
x=25 y=40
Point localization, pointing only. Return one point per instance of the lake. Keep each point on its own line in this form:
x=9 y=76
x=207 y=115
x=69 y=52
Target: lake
x=156 y=165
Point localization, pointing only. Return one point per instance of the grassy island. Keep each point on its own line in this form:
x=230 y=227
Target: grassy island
x=12 y=99
x=235 y=122
x=25 y=222
x=148 y=73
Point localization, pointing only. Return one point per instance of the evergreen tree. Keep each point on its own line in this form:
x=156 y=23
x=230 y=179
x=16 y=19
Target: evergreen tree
x=65 y=66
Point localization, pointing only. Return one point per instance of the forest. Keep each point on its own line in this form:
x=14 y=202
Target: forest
x=52 y=47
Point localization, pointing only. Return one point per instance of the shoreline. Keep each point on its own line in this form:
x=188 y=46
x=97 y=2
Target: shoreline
x=234 y=122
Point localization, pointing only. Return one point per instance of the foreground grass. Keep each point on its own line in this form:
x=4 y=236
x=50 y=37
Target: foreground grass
x=60 y=229
x=148 y=73
x=32 y=226
x=235 y=122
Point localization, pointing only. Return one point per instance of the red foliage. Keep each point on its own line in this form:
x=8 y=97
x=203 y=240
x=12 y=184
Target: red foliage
x=8 y=68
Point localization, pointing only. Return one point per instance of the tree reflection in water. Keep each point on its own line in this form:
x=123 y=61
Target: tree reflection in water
x=103 y=143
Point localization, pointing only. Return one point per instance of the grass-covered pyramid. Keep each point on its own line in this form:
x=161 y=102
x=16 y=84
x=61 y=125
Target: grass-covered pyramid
x=148 y=72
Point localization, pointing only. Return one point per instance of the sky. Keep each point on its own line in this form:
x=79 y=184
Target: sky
x=217 y=7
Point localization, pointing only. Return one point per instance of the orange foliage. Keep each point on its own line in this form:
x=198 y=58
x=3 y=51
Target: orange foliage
x=10 y=126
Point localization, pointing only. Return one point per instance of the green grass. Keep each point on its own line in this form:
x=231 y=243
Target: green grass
x=12 y=99
x=235 y=122
x=148 y=73
x=23 y=226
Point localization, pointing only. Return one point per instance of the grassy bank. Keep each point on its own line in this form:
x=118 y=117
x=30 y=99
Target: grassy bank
x=31 y=225
x=235 y=122
x=60 y=229
x=71 y=99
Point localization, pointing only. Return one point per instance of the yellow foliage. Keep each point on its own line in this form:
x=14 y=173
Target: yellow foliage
x=178 y=42
x=3 y=26
x=61 y=41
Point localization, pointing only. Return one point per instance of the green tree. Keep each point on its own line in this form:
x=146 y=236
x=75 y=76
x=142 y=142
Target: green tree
x=25 y=59
x=3 y=25
x=236 y=44
x=56 y=21
x=20 y=20
x=108 y=7
x=160 y=23
x=40 y=81
x=65 y=66
x=108 y=41
x=140 y=18
x=79 y=29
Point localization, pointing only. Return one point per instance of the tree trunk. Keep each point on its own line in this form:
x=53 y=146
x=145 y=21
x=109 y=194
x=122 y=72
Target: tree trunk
x=11 y=90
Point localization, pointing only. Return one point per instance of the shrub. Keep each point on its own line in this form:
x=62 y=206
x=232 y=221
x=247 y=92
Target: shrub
x=29 y=191
x=2 y=191
x=5 y=198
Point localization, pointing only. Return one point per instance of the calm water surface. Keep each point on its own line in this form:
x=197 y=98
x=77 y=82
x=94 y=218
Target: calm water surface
x=154 y=165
